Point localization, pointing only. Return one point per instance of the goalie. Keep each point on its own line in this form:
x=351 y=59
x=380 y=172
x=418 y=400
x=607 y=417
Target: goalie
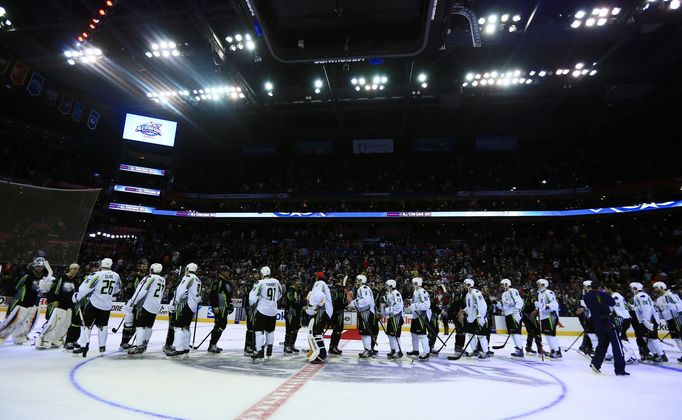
x=320 y=310
x=23 y=308
x=59 y=309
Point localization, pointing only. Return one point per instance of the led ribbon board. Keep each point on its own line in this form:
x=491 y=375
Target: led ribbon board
x=402 y=214
x=137 y=190
x=141 y=170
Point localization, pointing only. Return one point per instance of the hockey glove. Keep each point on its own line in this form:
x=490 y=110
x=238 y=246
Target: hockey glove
x=648 y=325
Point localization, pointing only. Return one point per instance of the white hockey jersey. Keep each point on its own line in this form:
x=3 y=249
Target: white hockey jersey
x=188 y=292
x=620 y=309
x=547 y=304
x=149 y=293
x=321 y=297
x=394 y=303
x=99 y=288
x=266 y=293
x=364 y=300
x=668 y=306
x=511 y=302
x=475 y=305
x=421 y=303
x=644 y=307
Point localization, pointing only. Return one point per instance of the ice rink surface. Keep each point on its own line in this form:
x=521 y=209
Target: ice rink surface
x=55 y=384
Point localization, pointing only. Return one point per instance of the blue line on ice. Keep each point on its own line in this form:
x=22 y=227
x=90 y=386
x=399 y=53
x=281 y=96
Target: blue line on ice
x=72 y=377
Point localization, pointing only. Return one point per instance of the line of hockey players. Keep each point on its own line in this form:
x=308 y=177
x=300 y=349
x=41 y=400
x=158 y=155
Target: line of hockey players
x=71 y=314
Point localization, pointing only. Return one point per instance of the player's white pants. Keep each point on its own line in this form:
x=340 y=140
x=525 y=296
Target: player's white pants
x=18 y=323
x=55 y=329
x=181 y=341
x=84 y=339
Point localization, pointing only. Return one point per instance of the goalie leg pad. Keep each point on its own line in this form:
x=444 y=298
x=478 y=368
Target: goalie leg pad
x=25 y=324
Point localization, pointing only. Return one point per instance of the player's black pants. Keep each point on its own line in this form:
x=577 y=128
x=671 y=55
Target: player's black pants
x=292 y=322
x=74 y=330
x=394 y=325
x=250 y=340
x=640 y=337
x=533 y=332
x=588 y=328
x=219 y=323
x=432 y=330
x=606 y=334
x=460 y=334
x=336 y=324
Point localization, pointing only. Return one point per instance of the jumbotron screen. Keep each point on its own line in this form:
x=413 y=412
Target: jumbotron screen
x=149 y=130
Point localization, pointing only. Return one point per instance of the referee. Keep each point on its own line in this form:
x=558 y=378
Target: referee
x=600 y=305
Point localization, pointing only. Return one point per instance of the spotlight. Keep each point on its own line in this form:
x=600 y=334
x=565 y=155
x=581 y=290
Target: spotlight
x=68 y=54
x=421 y=77
x=354 y=81
x=481 y=21
x=516 y=18
x=171 y=45
x=361 y=80
x=490 y=29
x=576 y=24
x=492 y=18
x=102 y=12
x=674 y=4
x=593 y=72
x=470 y=76
x=238 y=37
x=512 y=28
x=590 y=22
x=250 y=45
x=504 y=18
x=357 y=88
x=228 y=39
x=579 y=66
x=376 y=79
x=317 y=90
x=155 y=46
x=318 y=84
x=156 y=54
x=2 y=11
x=576 y=73
x=542 y=73
x=424 y=85
x=601 y=22
x=269 y=86
x=580 y=14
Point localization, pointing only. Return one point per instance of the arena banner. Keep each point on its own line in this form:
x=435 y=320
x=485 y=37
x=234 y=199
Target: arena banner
x=141 y=170
x=636 y=208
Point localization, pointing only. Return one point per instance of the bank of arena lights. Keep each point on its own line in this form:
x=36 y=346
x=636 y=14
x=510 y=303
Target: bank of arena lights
x=422 y=79
x=518 y=77
x=5 y=21
x=239 y=42
x=661 y=5
x=377 y=82
x=163 y=49
x=595 y=18
x=111 y=235
x=499 y=23
x=216 y=93
x=105 y=10
x=317 y=84
x=86 y=55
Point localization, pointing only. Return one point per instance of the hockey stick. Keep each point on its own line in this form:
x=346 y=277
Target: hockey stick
x=541 y=348
x=202 y=341
x=115 y=330
x=196 y=319
x=384 y=329
x=428 y=326
x=503 y=344
x=446 y=340
x=575 y=341
x=459 y=356
x=357 y=308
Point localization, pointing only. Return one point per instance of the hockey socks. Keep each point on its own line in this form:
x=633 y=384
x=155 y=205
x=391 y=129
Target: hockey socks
x=518 y=341
x=553 y=343
x=102 y=336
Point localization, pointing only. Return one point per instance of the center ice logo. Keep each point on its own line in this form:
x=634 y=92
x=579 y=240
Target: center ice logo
x=348 y=369
x=150 y=129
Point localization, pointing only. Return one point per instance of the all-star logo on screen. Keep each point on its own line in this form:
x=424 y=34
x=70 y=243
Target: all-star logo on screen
x=150 y=129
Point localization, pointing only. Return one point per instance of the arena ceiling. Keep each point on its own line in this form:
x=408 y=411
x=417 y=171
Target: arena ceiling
x=317 y=67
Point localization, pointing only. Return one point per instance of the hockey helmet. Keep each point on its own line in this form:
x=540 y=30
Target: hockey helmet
x=39 y=262
x=468 y=282
x=191 y=268
x=265 y=271
x=417 y=281
x=542 y=283
x=361 y=279
x=587 y=283
x=391 y=283
x=156 y=268
x=505 y=282
x=106 y=263
x=660 y=285
x=636 y=286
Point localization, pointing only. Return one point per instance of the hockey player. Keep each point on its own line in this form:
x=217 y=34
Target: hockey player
x=129 y=318
x=250 y=315
x=589 y=344
x=669 y=308
x=22 y=311
x=394 y=315
x=530 y=322
x=220 y=298
x=433 y=327
x=340 y=300
x=74 y=331
x=456 y=314
x=548 y=309
x=320 y=309
x=511 y=305
x=590 y=340
x=364 y=305
x=600 y=305
x=644 y=310
x=477 y=320
x=265 y=295
x=185 y=303
x=293 y=303
x=421 y=314
x=622 y=321
x=94 y=298
x=59 y=306
x=146 y=303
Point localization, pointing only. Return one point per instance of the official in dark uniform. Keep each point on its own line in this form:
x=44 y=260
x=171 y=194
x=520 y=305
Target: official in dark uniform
x=600 y=303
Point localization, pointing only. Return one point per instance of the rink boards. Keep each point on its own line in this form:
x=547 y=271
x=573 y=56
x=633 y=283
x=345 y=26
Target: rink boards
x=568 y=326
